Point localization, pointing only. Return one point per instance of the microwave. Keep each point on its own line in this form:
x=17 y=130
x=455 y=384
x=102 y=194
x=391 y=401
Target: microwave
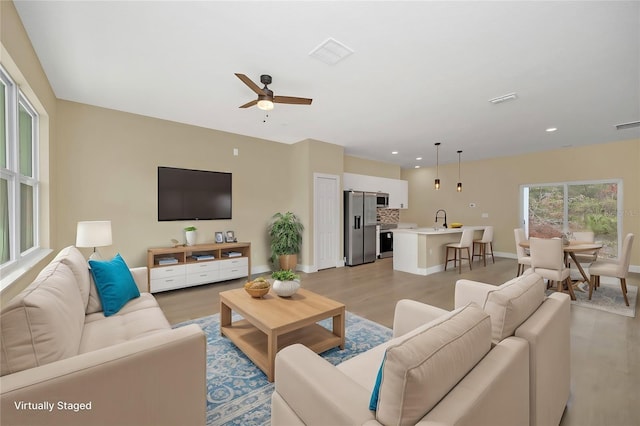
x=382 y=200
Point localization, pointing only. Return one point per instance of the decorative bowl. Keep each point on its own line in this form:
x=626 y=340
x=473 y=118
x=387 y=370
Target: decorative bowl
x=456 y=225
x=257 y=292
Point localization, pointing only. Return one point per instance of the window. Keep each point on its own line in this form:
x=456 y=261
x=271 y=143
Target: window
x=550 y=210
x=18 y=173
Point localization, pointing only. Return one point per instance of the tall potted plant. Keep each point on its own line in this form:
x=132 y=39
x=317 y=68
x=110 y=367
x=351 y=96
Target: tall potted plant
x=285 y=231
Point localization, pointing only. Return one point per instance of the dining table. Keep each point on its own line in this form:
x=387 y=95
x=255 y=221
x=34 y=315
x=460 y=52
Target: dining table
x=570 y=251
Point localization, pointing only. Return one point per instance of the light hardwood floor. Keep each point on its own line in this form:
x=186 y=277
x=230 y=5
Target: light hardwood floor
x=605 y=348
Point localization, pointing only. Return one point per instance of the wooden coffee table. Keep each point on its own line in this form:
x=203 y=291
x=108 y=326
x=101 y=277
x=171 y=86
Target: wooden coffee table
x=273 y=322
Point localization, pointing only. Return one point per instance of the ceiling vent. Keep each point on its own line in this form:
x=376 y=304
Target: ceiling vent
x=504 y=98
x=331 y=51
x=628 y=125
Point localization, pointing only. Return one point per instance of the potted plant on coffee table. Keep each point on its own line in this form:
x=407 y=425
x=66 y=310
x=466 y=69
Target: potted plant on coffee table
x=285 y=283
x=285 y=231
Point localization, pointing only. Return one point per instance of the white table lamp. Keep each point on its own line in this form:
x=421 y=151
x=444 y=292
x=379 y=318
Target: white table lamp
x=94 y=234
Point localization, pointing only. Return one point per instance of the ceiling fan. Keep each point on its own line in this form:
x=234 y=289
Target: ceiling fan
x=266 y=99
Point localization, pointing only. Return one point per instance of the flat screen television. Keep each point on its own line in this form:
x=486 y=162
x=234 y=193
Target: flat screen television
x=185 y=194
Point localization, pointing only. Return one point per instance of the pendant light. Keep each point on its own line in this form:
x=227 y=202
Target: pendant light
x=436 y=183
x=459 y=187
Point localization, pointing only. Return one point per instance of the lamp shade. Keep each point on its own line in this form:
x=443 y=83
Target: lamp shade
x=95 y=233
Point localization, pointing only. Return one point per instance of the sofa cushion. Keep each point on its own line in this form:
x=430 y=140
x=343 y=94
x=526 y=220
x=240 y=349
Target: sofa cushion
x=44 y=322
x=140 y=317
x=422 y=368
x=75 y=260
x=114 y=282
x=510 y=304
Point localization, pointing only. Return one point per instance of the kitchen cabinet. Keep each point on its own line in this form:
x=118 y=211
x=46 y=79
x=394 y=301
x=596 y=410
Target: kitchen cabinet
x=397 y=189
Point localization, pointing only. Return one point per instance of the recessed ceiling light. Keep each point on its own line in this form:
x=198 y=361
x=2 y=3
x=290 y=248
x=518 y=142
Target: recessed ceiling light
x=394 y=152
x=418 y=158
x=416 y=167
x=552 y=129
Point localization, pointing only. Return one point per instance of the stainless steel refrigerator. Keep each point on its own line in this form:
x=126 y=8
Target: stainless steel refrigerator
x=359 y=227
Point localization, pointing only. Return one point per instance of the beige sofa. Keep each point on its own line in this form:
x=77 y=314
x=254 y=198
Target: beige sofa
x=485 y=363
x=65 y=363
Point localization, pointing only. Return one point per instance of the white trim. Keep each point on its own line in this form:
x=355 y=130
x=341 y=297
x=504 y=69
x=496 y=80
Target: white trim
x=14 y=270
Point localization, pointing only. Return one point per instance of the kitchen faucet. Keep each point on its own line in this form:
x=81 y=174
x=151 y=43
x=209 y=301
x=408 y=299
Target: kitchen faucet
x=445 y=217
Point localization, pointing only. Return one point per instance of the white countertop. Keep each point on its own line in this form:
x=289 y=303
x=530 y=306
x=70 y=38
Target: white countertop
x=432 y=231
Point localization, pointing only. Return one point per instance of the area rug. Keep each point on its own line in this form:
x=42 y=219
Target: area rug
x=608 y=298
x=238 y=392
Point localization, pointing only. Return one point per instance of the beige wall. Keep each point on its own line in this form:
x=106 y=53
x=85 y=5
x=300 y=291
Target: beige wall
x=108 y=171
x=494 y=186
x=360 y=166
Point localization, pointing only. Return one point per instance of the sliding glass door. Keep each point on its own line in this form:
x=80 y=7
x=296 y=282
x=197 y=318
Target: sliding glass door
x=549 y=210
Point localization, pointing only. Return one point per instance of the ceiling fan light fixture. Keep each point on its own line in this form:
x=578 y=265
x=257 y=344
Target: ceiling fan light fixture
x=265 y=104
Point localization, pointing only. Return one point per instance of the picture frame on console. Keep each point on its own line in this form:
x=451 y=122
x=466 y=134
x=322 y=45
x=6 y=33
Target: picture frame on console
x=230 y=237
x=219 y=237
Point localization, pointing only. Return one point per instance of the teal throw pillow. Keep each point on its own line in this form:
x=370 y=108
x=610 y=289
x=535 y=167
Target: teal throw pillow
x=375 y=394
x=114 y=283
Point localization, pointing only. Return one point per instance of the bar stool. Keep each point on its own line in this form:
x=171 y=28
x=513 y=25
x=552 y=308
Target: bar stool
x=486 y=240
x=466 y=241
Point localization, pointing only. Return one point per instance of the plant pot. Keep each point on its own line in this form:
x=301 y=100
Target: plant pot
x=288 y=261
x=285 y=288
x=190 y=237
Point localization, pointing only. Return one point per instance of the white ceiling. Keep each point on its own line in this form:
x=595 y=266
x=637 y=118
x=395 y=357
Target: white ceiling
x=421 y=72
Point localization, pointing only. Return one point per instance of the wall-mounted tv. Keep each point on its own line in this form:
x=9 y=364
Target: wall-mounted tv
x=185 y=194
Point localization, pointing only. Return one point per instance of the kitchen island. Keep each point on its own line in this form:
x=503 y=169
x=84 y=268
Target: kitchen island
x=421 y=251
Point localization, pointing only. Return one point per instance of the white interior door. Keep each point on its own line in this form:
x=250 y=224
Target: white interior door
x=326 y=220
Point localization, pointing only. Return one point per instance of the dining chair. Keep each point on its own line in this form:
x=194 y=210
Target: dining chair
x=466 y=241
x=611 y=268
x=585 y=237
x=524 y=259
x=483 y=243
x=547 y=260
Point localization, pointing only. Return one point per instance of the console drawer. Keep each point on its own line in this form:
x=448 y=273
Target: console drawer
x=167 y=283
x=203 y=266
x=167 y=271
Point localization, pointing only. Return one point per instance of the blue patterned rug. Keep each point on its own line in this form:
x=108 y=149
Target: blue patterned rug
x=238 y=392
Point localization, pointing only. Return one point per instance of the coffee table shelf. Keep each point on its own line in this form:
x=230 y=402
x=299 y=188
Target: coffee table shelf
x=253 y=342
x=273 y=323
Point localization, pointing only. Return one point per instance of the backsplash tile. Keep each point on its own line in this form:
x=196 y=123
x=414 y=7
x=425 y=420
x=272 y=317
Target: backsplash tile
x=388 y=215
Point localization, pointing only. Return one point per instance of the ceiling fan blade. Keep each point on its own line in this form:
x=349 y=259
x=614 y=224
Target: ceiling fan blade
x=292 y=100
x=250 y=83
x=249 y=104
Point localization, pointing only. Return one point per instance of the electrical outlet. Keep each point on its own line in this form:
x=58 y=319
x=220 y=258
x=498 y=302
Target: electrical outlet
x=235 y=152
x=485 y=215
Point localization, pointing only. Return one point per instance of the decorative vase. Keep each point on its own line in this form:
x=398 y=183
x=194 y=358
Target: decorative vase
x=288 y=261
x=285 y=288
x=190 y=236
